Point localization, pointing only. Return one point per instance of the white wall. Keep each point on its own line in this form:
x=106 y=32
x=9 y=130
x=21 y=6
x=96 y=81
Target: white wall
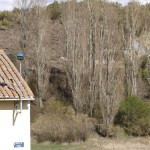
x=14 y=126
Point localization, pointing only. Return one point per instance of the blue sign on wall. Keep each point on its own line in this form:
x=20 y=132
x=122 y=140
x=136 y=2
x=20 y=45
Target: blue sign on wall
x=18 y=144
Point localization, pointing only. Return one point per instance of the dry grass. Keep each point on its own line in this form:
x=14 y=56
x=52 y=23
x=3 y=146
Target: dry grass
x=99 y=143
x=127 y=143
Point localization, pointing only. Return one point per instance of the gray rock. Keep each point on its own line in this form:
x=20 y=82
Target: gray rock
x=3 y=28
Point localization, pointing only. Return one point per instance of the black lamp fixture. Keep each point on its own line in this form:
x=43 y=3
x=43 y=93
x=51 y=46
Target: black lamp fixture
x=20 y=56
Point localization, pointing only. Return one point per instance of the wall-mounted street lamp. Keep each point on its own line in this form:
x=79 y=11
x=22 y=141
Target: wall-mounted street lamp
x=20 y=57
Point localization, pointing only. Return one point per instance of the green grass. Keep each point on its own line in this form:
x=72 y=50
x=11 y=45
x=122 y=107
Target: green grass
x=98 y=143
x=47 y=146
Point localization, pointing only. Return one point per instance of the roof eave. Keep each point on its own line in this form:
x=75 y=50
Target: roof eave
x=16 y=99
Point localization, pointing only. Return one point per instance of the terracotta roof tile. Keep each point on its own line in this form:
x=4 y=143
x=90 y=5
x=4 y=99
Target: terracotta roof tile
x=10 y=81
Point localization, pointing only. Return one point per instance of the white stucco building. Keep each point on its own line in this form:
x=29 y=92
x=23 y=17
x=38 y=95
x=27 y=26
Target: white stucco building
x=14 y=124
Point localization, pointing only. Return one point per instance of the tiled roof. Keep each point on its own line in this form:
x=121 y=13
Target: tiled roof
x=10 y=81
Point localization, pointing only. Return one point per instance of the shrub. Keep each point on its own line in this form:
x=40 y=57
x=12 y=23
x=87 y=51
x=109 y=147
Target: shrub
x=145 y=73
x=118 y=132
x=55 y=10
x=7 y=18
x=133 y=116
x=5 y=15
x=58 y=123
x=5 y=22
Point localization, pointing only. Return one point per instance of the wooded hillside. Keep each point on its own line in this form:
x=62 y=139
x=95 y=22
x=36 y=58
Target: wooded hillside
x=88 y=64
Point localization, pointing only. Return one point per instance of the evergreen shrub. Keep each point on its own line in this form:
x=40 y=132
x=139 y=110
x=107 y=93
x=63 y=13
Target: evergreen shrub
x=134 y=116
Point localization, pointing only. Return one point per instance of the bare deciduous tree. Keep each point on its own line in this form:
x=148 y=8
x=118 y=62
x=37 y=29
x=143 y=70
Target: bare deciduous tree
x=132 y=23
x=74 y=66
x=23 y=13
x=92 y=51
x=110 y=66
x=34 y=27
x=41 y=53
